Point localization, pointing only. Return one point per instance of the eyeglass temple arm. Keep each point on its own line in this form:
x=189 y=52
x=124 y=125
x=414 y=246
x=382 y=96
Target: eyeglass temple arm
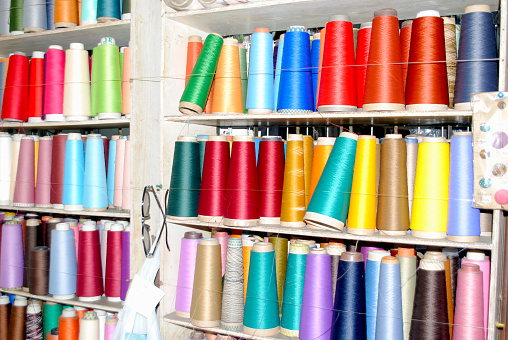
x=164 y=225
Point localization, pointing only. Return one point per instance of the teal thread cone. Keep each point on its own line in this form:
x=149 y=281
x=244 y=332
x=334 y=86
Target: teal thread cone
x=52 y=312
x=108 y=9
x=329 y=205
x=261 y=316
x=293 y=292
x=111 y=171
x=243 y=74
x=74 y=173
x=185 y=184
x=95 y=194
x=198 y=87
x=88 y=12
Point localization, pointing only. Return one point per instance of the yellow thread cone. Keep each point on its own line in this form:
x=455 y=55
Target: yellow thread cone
x=308 y=152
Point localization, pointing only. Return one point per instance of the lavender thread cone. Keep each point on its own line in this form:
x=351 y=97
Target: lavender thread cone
x=11 y=259
x=24 y=192
x=317 y=303
x=188 y=253
x=126 y=263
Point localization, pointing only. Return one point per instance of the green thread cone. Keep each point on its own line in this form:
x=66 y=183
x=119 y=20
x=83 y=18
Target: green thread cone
x=198 y=87
x=244 y=76
x=109 y=82
x=185 y=184
x=95 y=57
x=16 y=16
x=52 y=312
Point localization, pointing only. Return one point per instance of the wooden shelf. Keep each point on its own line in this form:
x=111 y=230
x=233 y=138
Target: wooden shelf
x=108 y=213
x=278 y=15
x=88 y=35
x=343 y=118
x=102 y=304
x=174 y=319
x=484 y=243
x=87 y=124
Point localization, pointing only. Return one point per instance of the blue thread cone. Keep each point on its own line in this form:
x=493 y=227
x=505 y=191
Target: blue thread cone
x=295 y=89
x=109 y=9
x=74 y=173
x=316 y=47
x=260 y=89
x=463 y=219
x=111 y=171
x=371 y=289
x=50 y=14
x=63 y=267
x=277 y=72
x=95 y=195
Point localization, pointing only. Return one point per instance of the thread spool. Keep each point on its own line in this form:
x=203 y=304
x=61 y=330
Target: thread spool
x=338 y=90
x=16 y=145
x=35 y=95
x=5 y=9
x=278 y=66
x=433 y=165
x=126 y=193
x=89 y=326
x=463 y=219
x=232 y=307
x=202 y=147
x=34 y=322
x=52 y=312
x=57 y=170
x=109 y=327
x=15 y=100
x=4 y=316
x=315 y=54
x=427 y=85
x=111 y=170
x=293 y=192
x=308 y=154
x=34 y=16
x=95 y=196
x=248 y=244
x=108 y=10
x=212 y=197
x=479 y=258
x=242 y=189
x=270 y=179
x=108 y=81
x=405 y=43
x=76 y=99
x=468 y=309
x=478 y=49
x=372 y=289
x=196 y=91
x=126 y=261
x=362 y=208
x=68 y=325
x=11 y=256
x=126 y=82
x=261 y=315
x=89 y=284
x=335 y=250
x=281 y=246
x=194 y=46
x=39 y=269
x=5 y=169
x=412 y=156
x=119 y=172
x=104 y=245
x=183 y=198
x=114 y=263
x=228 y=85
x=73 y=173
x=207 y=290
x=24 y=194
x=451 y=55
x=50 y=14
x=223 y=237
x=66 y=13
x=43 y=187
x=407 y=261
x=330 y=203
x=349 y=320
x=260 y=90
x=33 y=238
x=102 y=322
x=486 y=222
x=16 y=17
x=88 y=12
x=54 y=79
x=322 y=150
x=362 y=59
x=17 y=321
x=63 y=267
x=186 y=270
x=393 y=210
x=296 y=69
x=389 y=311
x=293 y=292
x=50 y=226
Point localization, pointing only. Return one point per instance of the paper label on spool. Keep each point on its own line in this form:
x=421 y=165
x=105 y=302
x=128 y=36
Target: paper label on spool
x=143 y=296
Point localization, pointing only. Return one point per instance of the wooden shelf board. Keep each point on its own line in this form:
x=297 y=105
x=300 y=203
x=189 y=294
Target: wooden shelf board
x=87 y=124
x=484 y=243
x=174 y=319
x=278 y=15
x=88 y=35
x=344 y=118
x=102 y=304
x=107 y=213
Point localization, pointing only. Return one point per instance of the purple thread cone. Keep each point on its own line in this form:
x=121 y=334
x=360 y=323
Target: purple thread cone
x=186 y=270
x=317 y=302
x=365 y=253
x=43 y=188
x=24 y=194
x=11 y=260
x=126 y=264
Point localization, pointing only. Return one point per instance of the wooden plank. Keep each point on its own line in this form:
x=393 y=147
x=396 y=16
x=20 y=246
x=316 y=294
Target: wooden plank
x=112 y=213
x=278 y=15
x=89 y=35
x=102 y=304
x=344 y=118
x=88 y=124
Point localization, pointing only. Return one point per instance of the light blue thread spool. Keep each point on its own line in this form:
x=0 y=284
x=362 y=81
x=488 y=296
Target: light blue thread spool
x=260 y=89
x=371 y=289
x=95 y=194
x=329 y=205
x=111 y=170
x=34 y=16
x=88 y=12
x=5 y=8
x=277 y=72
x=62 y=267
x=74 y=173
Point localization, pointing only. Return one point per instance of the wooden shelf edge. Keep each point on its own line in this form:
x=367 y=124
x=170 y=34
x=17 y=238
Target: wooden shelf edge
x=107 y=213
x=174 y=319
x=484 y=243
x=87 y=124
x=102 y=304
